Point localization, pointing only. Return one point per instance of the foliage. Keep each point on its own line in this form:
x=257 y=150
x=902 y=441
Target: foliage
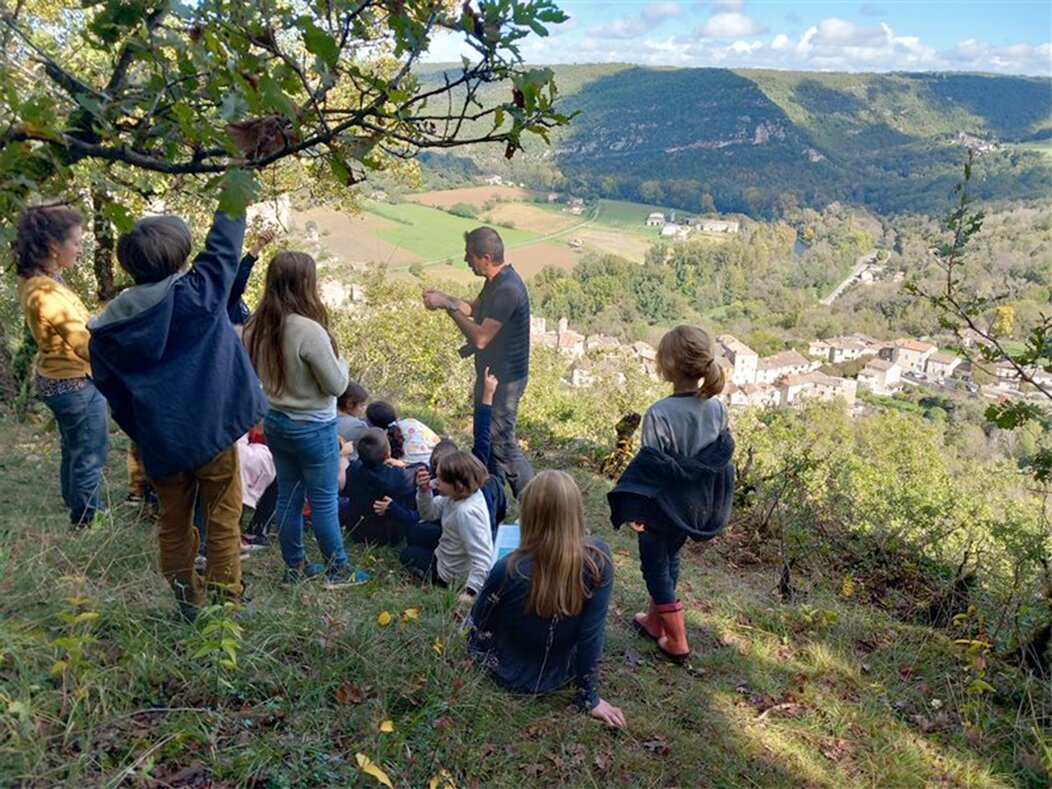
x=148 y=95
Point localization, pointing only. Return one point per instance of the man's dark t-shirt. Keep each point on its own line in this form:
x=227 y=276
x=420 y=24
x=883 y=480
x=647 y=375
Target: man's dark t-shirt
x=504 y=299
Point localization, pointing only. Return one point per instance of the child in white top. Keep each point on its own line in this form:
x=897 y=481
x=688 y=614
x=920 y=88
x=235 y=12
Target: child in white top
x=463 y=551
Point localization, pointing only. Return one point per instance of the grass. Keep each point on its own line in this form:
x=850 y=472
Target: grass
x=434 y=234
x=824 y=692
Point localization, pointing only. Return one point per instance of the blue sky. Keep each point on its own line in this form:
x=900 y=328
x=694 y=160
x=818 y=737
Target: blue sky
x=901 y=35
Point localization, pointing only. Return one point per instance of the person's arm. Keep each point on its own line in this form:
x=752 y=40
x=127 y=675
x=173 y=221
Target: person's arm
x=329 y=370
x=590 y=637
x=215 y=268
x=478 y=541
x=53 y=308
x=244 y=269
x=482 y=448
x=429 y=506
x=486 y=610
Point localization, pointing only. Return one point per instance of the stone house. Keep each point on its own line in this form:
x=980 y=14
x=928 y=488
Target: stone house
x=880 y=377
x=741 y=356
x=770 y=368
x=793 y=388
x=941 y=365
x=656 y=219
x=911 y=355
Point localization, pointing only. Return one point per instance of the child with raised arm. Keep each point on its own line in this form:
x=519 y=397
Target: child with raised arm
x=181 y=386
x=461 y=551
x=493 y=487
x=681 y=483
x=539 y=620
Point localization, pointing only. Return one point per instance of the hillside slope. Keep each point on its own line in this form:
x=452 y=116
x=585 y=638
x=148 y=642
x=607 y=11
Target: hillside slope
x=753 y=139
x=102 y=686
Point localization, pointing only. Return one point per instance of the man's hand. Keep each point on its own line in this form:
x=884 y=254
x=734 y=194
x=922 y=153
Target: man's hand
x=635 y=526
x=380 y=505
x=436 y=299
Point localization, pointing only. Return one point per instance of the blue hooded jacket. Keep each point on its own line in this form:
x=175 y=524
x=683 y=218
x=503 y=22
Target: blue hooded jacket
x=175 y=373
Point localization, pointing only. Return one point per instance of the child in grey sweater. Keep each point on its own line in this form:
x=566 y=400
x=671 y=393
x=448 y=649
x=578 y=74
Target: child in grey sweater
x=461 y=551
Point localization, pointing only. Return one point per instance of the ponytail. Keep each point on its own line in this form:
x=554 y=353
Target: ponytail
x=711 y=384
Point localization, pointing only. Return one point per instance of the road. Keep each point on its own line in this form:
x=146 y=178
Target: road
x=863 y=261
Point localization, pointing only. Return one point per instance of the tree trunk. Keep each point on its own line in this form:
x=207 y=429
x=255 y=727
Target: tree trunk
x=105 y=242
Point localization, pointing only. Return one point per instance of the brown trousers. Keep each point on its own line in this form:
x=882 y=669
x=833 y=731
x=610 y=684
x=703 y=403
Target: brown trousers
x=217 y=485
x=136 y=472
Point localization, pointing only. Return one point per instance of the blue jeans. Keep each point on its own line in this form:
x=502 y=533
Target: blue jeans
x=507 y=454
x=307 y=459
x=659 y=561
x=84 y=427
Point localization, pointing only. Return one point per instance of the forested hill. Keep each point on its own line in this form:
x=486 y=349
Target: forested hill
x=753 y=138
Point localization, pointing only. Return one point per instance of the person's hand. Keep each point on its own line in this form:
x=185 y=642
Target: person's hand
x=266 y=235
x=380 y=505
x=489 y=387
x=423 y=479
x=346 y=448
x=635 y=526
x=396 y=462
x=464 y=597
x=608 y=714
x=435 y=299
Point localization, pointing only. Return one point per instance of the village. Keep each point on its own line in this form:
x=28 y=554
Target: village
x=790 y=377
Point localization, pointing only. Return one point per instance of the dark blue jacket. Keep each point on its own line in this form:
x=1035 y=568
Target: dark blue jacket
x=166 y=357
x=528 y=654
x=367 y=484
x=672 y=494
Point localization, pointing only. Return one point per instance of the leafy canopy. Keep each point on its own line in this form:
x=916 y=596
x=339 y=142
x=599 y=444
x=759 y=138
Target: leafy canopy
x=155 y=92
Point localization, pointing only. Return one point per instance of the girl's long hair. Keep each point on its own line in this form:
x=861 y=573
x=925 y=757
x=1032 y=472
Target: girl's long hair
x=552 y=533
x=688 y=352
x=291 y=289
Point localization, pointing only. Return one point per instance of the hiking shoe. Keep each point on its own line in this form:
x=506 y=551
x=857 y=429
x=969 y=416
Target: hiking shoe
x=199 y=562
x=295 y=575
x=345 y=575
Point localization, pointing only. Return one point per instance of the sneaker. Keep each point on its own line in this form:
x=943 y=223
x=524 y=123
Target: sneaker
x=254 y=542
x=345 y=575
x=295 y=575
x=200 y=562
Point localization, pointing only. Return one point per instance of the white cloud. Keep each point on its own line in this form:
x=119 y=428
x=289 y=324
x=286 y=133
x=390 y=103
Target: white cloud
x=634 y=26
x=781 y=41
x=745 y=47
x=730 y=25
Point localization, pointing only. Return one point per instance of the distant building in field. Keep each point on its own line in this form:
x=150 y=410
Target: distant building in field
x=941 y=365
x=656 y=219
x=910 y=355
x=770 y=368
x=741 y=356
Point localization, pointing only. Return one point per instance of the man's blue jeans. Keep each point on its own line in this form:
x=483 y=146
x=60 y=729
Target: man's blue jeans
x=507 y=453
x=83 y=419
x=307 y=459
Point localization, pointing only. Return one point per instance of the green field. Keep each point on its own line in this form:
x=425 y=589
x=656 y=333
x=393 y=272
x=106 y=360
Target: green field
x=434 y=234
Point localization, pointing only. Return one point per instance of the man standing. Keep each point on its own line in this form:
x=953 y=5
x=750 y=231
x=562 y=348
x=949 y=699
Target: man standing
x=497 y=328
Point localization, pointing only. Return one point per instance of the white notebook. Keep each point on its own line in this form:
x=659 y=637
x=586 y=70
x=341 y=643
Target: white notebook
x=506 y=541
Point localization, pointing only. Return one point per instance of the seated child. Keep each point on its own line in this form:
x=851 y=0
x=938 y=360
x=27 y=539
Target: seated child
x=411 y=440
x=257 y=474
x=180 y=384
x=380 y=496
x=493 y=487
x=350 y=408
x=539 y=620
x=460 y=550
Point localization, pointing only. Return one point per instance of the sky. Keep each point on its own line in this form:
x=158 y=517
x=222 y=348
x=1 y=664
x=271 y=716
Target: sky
x=878 y=35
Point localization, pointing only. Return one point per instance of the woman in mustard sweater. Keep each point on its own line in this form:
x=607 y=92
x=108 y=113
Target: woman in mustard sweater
x=48 y=243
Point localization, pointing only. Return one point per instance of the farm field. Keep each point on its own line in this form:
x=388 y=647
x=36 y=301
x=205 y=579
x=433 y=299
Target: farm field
x=472 y=195
x=536 y=234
